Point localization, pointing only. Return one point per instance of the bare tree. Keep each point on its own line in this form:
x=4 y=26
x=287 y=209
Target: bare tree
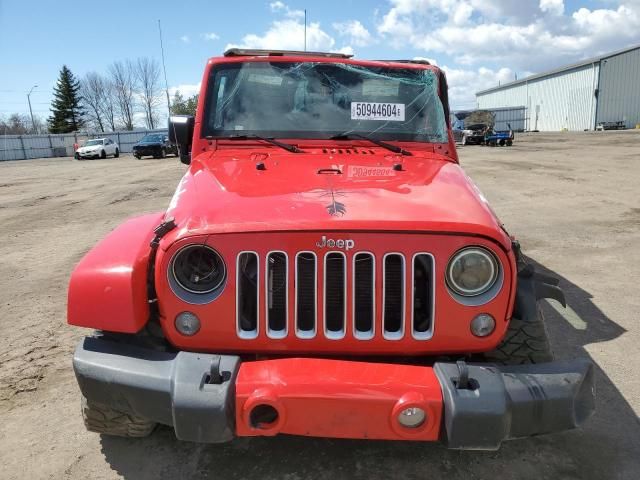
x=148 y=74
x=16 y=124
x=109 y=105
x=92 y=90
x=38 y=125
x=124 y=84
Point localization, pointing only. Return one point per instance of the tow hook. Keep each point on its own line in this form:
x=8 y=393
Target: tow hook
x=463 y=382
x=214 y=377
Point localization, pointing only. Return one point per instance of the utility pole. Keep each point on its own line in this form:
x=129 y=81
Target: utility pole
x=305 y=29
x=33 y=124
x=164 y=69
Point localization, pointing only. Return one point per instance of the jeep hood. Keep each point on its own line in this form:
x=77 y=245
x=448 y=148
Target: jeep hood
x=251 y=190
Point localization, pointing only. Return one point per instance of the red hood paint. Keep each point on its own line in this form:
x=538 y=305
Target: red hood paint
x=224 y=192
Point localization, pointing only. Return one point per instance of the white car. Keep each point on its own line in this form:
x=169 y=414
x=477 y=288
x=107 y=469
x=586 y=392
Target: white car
x=98 y=148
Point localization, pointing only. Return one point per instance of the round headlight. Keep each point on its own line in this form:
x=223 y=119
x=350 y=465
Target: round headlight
x=198 y=269
x=472 y=271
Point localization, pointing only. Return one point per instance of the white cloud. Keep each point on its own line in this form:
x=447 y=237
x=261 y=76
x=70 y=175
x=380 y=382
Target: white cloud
x=463 y=84
x=432 y=61
x=279 y=7
x=355 y=31
x=185 y=39
x=533 y=35
x=288 y=34
x=347 y=50
x=186 y=89
x=210 y=36
x=556 y=7
x=276 y=6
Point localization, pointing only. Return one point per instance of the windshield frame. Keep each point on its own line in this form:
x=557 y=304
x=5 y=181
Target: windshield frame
x=209 y=104
x=98 y=142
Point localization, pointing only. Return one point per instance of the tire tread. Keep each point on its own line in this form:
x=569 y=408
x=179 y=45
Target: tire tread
x=103 y=419
x=524 y=343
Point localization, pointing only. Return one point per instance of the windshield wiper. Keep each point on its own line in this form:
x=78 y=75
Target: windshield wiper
x=388 y=146
x=286 y=146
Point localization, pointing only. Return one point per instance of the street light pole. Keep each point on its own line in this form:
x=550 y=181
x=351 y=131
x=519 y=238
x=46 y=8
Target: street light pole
x=33 y=124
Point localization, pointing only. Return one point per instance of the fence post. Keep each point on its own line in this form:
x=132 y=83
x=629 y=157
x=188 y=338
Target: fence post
x=24 y=152
x=119 y=146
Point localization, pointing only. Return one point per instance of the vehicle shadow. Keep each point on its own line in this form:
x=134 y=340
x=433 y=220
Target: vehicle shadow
x=607 y=447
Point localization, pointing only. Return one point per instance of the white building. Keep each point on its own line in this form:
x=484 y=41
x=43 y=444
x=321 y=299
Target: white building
x=575 y=97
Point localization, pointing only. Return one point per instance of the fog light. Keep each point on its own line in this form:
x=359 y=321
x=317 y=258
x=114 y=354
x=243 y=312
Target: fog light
x=483 y=325
x=187 y=323
x=412 y=417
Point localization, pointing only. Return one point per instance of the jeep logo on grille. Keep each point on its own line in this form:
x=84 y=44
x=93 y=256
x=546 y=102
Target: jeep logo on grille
x=335 y=243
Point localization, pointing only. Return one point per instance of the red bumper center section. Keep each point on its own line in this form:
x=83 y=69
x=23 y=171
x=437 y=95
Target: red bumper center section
x=339 y=399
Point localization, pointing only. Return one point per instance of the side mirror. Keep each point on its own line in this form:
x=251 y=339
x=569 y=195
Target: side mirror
x=181 y=133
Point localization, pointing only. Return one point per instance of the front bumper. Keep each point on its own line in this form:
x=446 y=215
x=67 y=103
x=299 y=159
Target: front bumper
x=88 y=154
x=212 y=398
x=147 y=150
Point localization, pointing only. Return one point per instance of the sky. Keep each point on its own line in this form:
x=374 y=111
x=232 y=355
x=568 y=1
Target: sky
x=479 y=43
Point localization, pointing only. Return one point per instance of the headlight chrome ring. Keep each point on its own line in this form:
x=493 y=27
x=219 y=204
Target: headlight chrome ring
x=472 y=271
x=197 y=274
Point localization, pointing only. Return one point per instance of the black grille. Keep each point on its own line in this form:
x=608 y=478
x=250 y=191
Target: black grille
x=393 y=293
x=422 y=293
x=364 y=299
x=306 y=292
x=328 y=279
x=334 y=292
x=247 y=284
x=277 y=292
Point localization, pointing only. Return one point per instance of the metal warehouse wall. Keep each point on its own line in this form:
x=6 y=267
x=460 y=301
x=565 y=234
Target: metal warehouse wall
x=619 y=89
x=514 y=116
x=563 y=100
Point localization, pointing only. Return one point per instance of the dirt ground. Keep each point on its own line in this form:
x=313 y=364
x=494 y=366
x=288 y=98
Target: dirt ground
x=572 y=199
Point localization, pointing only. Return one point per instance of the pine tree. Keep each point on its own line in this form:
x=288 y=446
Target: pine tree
x=67 y=110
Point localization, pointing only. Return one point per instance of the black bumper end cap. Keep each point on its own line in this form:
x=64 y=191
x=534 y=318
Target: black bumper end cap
x=508 y=402
x=166 y=387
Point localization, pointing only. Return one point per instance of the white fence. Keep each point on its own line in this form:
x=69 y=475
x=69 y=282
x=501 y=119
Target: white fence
x=25 y=147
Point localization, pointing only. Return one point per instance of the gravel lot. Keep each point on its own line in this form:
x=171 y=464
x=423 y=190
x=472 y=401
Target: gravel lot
x=572 y=199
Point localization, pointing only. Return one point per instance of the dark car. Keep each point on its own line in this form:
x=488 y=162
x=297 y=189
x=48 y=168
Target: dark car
x=154 y=144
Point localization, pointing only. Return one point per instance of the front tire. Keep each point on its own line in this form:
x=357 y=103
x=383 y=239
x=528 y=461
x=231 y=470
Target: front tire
x=103 y=154
x=107 y=421
x=76 y=156
x=524 y=342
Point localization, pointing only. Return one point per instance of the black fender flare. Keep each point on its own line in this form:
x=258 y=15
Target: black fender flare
x=533 y=286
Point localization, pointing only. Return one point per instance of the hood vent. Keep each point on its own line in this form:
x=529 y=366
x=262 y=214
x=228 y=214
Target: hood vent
x=348 y=151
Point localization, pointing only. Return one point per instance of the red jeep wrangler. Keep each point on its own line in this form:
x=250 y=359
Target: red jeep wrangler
x=325 y=268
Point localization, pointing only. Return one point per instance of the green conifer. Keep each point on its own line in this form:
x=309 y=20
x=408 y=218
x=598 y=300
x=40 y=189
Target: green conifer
x=67 y=112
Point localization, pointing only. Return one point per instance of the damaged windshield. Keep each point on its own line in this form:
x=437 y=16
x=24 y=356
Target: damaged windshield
x=321 y=100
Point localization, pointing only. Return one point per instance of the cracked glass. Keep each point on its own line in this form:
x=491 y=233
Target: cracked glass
x=320 y=100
